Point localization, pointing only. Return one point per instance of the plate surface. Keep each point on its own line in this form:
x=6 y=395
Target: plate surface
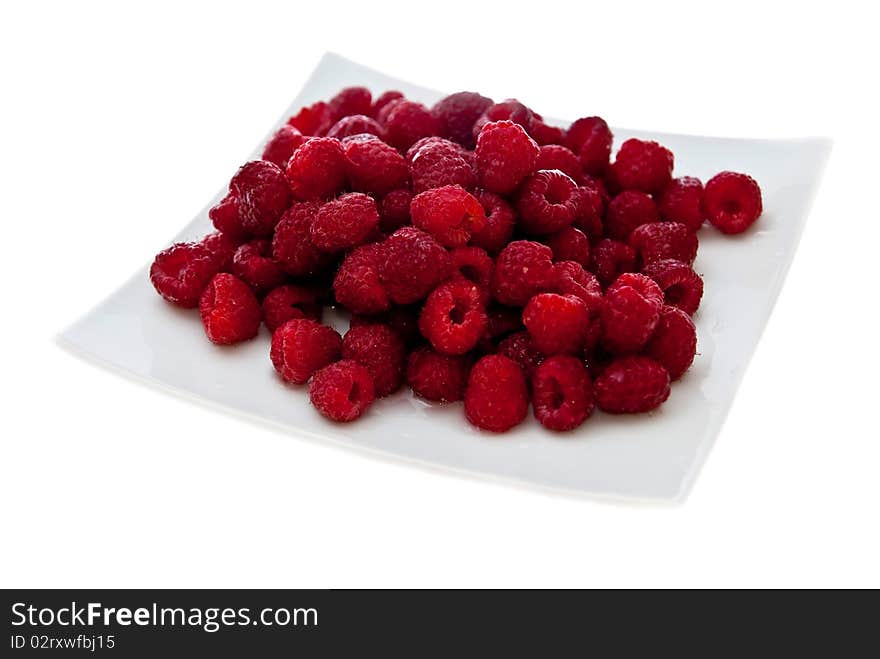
x=653 y=457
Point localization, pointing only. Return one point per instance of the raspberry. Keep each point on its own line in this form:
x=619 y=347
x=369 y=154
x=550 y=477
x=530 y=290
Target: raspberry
x=674 y=342
x=496 y=397
x=509 y=110
x=643 y=165
x=475 y=265
x=681 y=286
x=181 y=272
x=682 y=201
x=229 y=309
x=291 y=245
x=436 y=162
x=281 y=146
x=356 y=124
x=261 y=194
x=378 y=348
x=630 y=313
x=288 y=303
x=520 y=347
x=505 y=155
x=631 y=385
x=570 y=244
x=664 y=240
x=254 y=265
x=222 y=249
x=523 y=269
x=454 y=317
x=591 y=210
x=405 y=321
x=612 y=258
x=732 y=202
x=350 y=101
x=457 y=113
x=374 y=166
x=547 y=202
x=342 y=391
x=394 y=210
x=317 y=169
x=406 y=122
x=357 y=286
x=312 y=120
x=572 y=279
x=449 y=213
x=301 y=346
x=562 y=393
x=383 y=100
x=344 y=223
x=437 y=377
x=556 y=156
x=556 y=323
x=413 y=264
x=628 y=210
x=590 y=138
x=546 y=135
x=500 y=221
x=224 y=216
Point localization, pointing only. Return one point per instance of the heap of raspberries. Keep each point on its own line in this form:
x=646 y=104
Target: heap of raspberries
x=484 y=256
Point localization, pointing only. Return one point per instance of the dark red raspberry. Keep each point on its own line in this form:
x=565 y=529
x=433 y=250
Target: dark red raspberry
x=590 y=139
x=357 y=286
x=436 y=162
x=732 y=202
x=454 y=317
x=505 y=156
x=523 y=269
x=628 y=210
x=229 y=309
x=611 y=258
x=301 y=346
x=630 y=385
x=590 y=213
x=500 y=221
x=356 y=124
x=457 y=113
x=496 y=398
x=312 y=120
x=381 y=351
x=225 y=218
x=682 y=201
x=406 y=122
x=556 y=323
x=547 y=202
x=288 y=303
x=572 y=279
x=181 y=272
x=643 y=165
x=509 y=110
x=405 y=321
x=674 y=342
x=570 y=244
x=254 y=265
x=562 y=393
x=281 y=146
x=261 y=194
x=520 y=347
x=681 y=286
x=291 y=245
x=317 y=169
x=449 y=213
x=598 y=184
x=222 y=248
x=630 y=312
x=437 y=377
x=350 y=101
x=664 y=240
x=556 y=156
x=546 y=135
x=342 y=391
x=475 y=265
x=413 y=263
x=383 y=100
x=345 y=222
x=503 y=321
x=374 y=166
x=394 y=210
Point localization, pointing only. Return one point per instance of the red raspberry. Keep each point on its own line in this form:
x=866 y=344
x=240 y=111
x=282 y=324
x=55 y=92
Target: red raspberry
x=344 y=223
x=413 y=264
x=556 y=323
x=312 y=120
x=562 y=393
x=664 y=240
x=281 y=146
x=475 y=265
x=505 y=155
x=301 y=346
x=628 y=210
x=643 y=165
x=406 y=122
x=547 y=202
x=225 y=218
x=674 y=342
x=681 y=286
x=374 y=166
x=291 y=245
x=394 y=210
x=630 y=312
x=523 y=269
x=591 y=210
x=509 y=110
x=350 y=101
x=261 y=194
x=611 y=258
x=520 y=347
x=590 y=138
x=500 y=221
x=631 y=385
x=222 y=248
x=436 y=162
x=381 y=351
x=288 y=303
x=454 y=317
x=317 y=169
x=546 y=135
x=181 y=272
x=502 y=321
x=383 y=100
x=342 y=391
x=556 y=156
x=449 y=213
x=357 y=286
x=732 y=202
x=682 y=201
x=570 y=244
x=356 y=124
x=437 y=377
x=254 y=265
x=572 y=279
x=496 y=397
x=229 y=309
x=457 y=113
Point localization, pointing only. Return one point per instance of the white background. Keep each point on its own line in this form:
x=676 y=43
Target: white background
x=119 y=123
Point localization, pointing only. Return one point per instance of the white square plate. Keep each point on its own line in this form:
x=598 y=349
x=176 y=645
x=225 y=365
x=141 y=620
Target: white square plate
x=652 y=457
